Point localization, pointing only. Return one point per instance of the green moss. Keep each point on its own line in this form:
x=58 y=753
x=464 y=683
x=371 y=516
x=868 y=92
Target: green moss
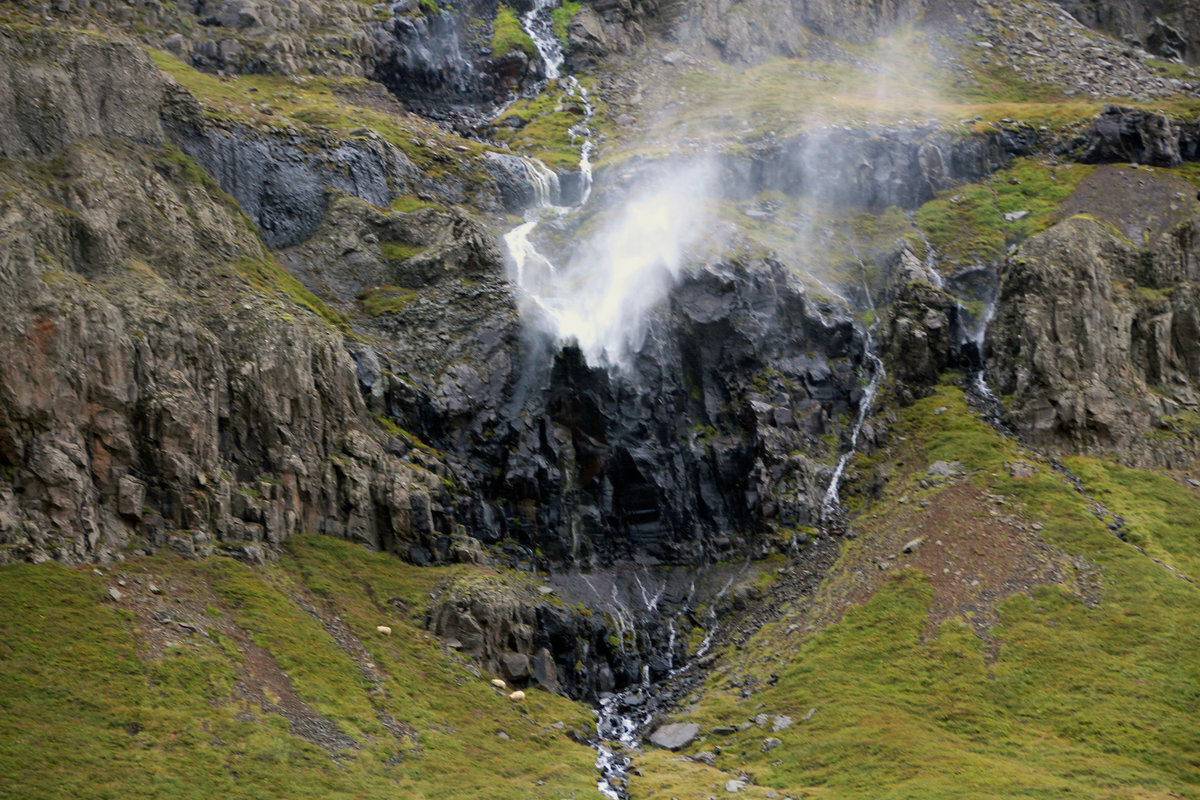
x=562 y=17
x=315 y=106
x=398 y=251
x=508 y=35
x=545 y=131
x=265 y=275
x=381 y=300
x=967 y=225
x=406 y=204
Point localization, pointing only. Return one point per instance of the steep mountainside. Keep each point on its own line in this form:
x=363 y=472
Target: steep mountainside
x=789 y=399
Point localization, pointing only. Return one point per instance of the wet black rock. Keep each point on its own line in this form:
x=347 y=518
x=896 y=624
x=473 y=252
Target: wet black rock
x=711 y=431
x=877 y=168
x=1133 y=135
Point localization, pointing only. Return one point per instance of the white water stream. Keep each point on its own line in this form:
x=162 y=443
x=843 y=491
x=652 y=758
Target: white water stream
x=831 y=501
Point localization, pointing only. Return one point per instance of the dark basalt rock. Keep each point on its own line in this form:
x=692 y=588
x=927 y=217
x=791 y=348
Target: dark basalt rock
x=1138 y=136
x=440 y=65
x=284 y=186
x=708 y=433
x=878 y=168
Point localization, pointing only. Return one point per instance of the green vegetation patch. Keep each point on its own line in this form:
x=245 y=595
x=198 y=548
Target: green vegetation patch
x=265 y=275
x=1159 y=513
x=314 y=106
x=100 y=700
x=380 y=300
x=562 y=17
x=399 y=251
x=967 y=225
x=544 y=128
x=508 y=35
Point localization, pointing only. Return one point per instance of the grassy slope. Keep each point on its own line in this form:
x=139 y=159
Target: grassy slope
x=1061 y=697
x=90 y=708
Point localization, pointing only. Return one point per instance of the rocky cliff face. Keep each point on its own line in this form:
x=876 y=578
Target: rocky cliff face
x=1096 y=342
x=166 y=383
x=244 y=315
x=1169 y=28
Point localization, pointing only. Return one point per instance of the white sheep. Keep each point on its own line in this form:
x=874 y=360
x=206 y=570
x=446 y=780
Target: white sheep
x=499 y=684
x=517 y=696
x=383 y=630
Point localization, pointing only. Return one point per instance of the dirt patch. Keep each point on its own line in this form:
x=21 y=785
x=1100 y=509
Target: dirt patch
x=977 y=549
x=352 y=646
x=1142 y=203
x=169 y=612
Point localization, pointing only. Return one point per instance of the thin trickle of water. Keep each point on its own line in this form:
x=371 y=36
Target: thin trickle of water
x=831 y=501
x=930 y=264
x=981 y=285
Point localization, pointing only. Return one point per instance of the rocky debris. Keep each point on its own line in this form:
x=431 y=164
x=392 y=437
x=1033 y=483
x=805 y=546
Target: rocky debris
x=707 y=757
x=770 y=743
x=735 y=785
x=1022 y=469
x=945 y=469
x=1044 y=45
x=1167 y=29
x=780 y=722
x=675 y=736
x=764 y=28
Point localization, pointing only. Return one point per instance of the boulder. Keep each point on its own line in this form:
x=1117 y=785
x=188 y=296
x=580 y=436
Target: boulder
x=675 y=735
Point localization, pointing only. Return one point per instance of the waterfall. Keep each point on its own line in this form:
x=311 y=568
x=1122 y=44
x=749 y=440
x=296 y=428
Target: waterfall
x=980 y=286
x=538 y=23
x=831 y=500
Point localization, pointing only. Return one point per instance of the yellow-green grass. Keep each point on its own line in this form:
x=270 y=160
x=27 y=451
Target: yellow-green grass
x=322 y=104
x=562 y=17
x=545 y=134
x=1067 y=697
x=508 y=35
x=89 y=711
x=380 y=300
x=966 y=224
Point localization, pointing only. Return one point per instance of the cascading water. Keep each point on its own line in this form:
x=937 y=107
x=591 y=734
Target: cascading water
x=831 y=501
x=976 y=291
x=980 y=286
x=644 y=606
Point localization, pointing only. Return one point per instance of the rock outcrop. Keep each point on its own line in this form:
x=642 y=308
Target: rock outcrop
x=166 y=383
x=1095 y=342
x=877 y=168
x=1169 y=28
